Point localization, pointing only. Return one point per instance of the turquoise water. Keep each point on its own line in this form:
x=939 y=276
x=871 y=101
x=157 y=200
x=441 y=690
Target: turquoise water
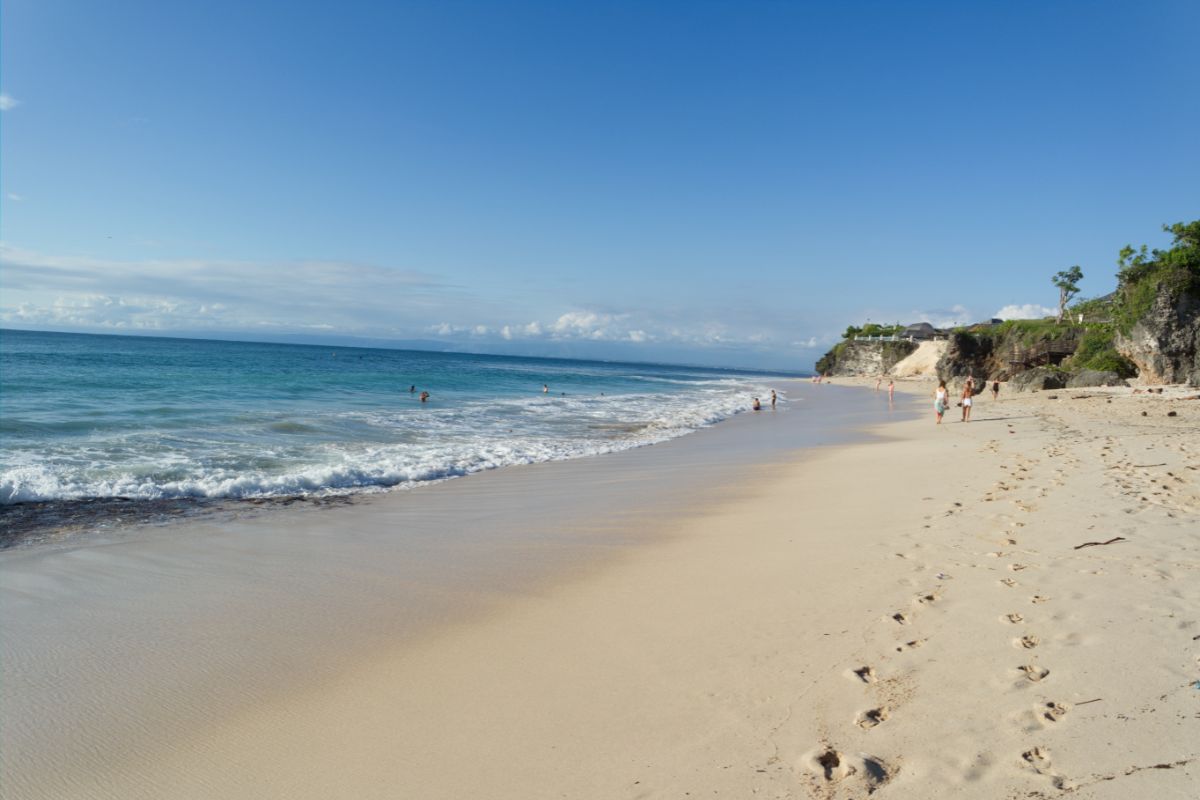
x=86 y=418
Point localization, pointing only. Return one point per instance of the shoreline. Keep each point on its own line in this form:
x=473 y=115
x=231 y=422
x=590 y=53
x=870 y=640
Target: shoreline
x=719 y=652
x=336 y=574
x=70 y=522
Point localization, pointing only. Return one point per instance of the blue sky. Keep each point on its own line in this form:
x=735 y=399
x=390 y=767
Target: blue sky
x=728 y=183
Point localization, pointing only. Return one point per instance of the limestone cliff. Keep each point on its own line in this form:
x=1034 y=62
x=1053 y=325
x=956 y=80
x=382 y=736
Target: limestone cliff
x=864 y=358
x=1164 y=343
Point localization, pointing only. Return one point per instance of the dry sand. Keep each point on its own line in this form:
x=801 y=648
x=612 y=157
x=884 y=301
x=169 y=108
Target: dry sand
x=912 y=618
x=921 y=362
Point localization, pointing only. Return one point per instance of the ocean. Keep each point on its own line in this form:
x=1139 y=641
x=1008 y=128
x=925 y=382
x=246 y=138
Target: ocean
x=93 y=423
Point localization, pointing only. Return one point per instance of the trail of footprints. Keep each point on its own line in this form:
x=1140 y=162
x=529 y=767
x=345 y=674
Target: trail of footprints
x=834 y=766
x=1037 y=758
x=1018 y=487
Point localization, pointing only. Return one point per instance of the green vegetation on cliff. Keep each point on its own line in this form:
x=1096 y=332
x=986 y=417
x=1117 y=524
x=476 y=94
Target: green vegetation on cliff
x=1096 y=351
x=873 y=329
x=1158 y=288
x=1143 y=275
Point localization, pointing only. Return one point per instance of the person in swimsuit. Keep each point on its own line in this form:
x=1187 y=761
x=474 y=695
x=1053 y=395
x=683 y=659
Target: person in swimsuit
x=968 y=391
x=773 y=399
x=891 y=390
x=757 y=405
x=939 y=401
x=424 y=397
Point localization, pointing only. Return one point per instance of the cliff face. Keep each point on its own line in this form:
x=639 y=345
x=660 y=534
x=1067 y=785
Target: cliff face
x=970 y=355
x=864 y=358
x=1165 y=341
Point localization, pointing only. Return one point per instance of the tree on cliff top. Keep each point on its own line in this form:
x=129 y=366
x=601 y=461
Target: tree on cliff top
x=1143 y=274
x=1067 y=282
x=1182 y=257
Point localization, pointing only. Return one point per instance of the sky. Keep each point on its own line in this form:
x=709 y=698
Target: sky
x=723 y=183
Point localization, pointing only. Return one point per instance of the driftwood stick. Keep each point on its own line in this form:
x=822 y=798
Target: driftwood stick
x=1100 y=544
x=1143 y=466
x=1085 y=702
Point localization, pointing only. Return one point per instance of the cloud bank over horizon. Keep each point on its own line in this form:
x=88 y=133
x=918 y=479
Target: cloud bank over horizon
x=343 y=300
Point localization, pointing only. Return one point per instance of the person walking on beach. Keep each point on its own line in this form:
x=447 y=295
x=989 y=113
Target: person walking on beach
x=773 y=399
x=891 y=390
x=939 y=400
x=995 y=390
x=968 y=391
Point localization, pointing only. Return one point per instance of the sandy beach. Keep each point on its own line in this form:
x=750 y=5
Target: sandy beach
x=1006 y=608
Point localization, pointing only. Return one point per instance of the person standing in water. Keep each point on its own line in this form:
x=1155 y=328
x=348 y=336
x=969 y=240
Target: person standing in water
x=756 y=406
x=773 y=399
x=424 y=397
x=891 y=390
x=939 y=400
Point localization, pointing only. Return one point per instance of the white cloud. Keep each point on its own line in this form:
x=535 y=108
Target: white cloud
x=590 y=324
x=196 y=295
x=950 y=317
x=8 y=102
x=15 y=197
x=1026 y=311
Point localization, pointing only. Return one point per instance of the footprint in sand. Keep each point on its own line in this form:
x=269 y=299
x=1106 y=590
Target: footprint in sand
x=901 y=617
x=1014 y=618
x=912 y=645
x=865 y=674
x=1009 y=582
x=1017 y=567
x=928 y=599
x=870 y=718
x=1037 y=598
x=1029 y=641
x=1034 y=673
x=1054 y=711
x=1039 y=759
x=831 y=766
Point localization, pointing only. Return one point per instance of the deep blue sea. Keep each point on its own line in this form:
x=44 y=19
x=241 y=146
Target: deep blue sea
x=87 y=418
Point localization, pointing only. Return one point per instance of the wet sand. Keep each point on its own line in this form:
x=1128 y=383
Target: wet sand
x=733 y=613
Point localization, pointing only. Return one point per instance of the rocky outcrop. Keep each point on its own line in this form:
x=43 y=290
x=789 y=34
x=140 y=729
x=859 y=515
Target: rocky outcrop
x=864 y=358
x=1164 y=343
x=1039 y=378
x=1091 y=377
x=967 y=355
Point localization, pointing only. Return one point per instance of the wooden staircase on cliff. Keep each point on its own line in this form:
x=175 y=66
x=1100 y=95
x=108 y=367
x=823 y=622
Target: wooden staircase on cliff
x=1042 y=354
